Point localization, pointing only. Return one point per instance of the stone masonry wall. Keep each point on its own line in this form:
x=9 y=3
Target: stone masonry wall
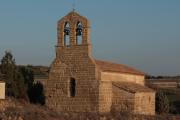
x=122 y=77
x=73 y=63
x=122 y=100
x=145 y=103
x=105 y=96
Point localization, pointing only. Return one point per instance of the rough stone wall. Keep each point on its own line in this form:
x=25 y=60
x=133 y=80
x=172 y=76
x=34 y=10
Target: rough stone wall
x=78 y=65
x=105 y=96
x=138 y=102
x=145 y=103
x=122 y=100
x=122 y=77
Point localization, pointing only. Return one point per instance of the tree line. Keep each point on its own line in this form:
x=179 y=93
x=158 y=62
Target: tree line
x=20 y=81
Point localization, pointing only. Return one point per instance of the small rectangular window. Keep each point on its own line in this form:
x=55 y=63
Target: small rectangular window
x=72 y=87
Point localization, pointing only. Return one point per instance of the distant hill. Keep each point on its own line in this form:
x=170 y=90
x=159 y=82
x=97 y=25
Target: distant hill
x=162 y=77
x=40 y=70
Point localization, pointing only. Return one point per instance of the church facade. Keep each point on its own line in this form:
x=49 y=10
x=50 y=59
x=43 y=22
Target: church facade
x=79 y=83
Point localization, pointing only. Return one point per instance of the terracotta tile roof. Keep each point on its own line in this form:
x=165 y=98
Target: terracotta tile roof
x=119 y=68
x=132 y=87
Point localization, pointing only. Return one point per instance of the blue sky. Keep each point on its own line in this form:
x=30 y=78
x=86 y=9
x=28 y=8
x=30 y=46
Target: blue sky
x=144 y=34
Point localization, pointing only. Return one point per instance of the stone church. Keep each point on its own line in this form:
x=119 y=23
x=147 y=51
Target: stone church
x=79 y=83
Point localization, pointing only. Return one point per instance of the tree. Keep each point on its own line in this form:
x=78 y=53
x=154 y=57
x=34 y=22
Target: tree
x=35 y=91
x=13 y=78
x=162 y=103
x=36 y=94
x=28 y=77
x=20 y=81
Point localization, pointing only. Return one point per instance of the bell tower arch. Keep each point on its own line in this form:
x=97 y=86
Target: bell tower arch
x=78 y=26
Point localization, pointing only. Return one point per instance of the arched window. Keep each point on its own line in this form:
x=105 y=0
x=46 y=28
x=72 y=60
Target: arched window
x=79 y=29
x=67 y=34
x=72 y=87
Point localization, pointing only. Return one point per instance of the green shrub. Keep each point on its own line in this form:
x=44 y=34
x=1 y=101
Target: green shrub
x=162 y=103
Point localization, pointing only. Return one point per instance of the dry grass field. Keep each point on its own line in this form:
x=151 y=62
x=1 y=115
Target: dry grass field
x=21 y=110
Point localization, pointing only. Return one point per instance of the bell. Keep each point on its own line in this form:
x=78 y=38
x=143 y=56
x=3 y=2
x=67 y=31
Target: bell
x=79 y=31
x=66 y=31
